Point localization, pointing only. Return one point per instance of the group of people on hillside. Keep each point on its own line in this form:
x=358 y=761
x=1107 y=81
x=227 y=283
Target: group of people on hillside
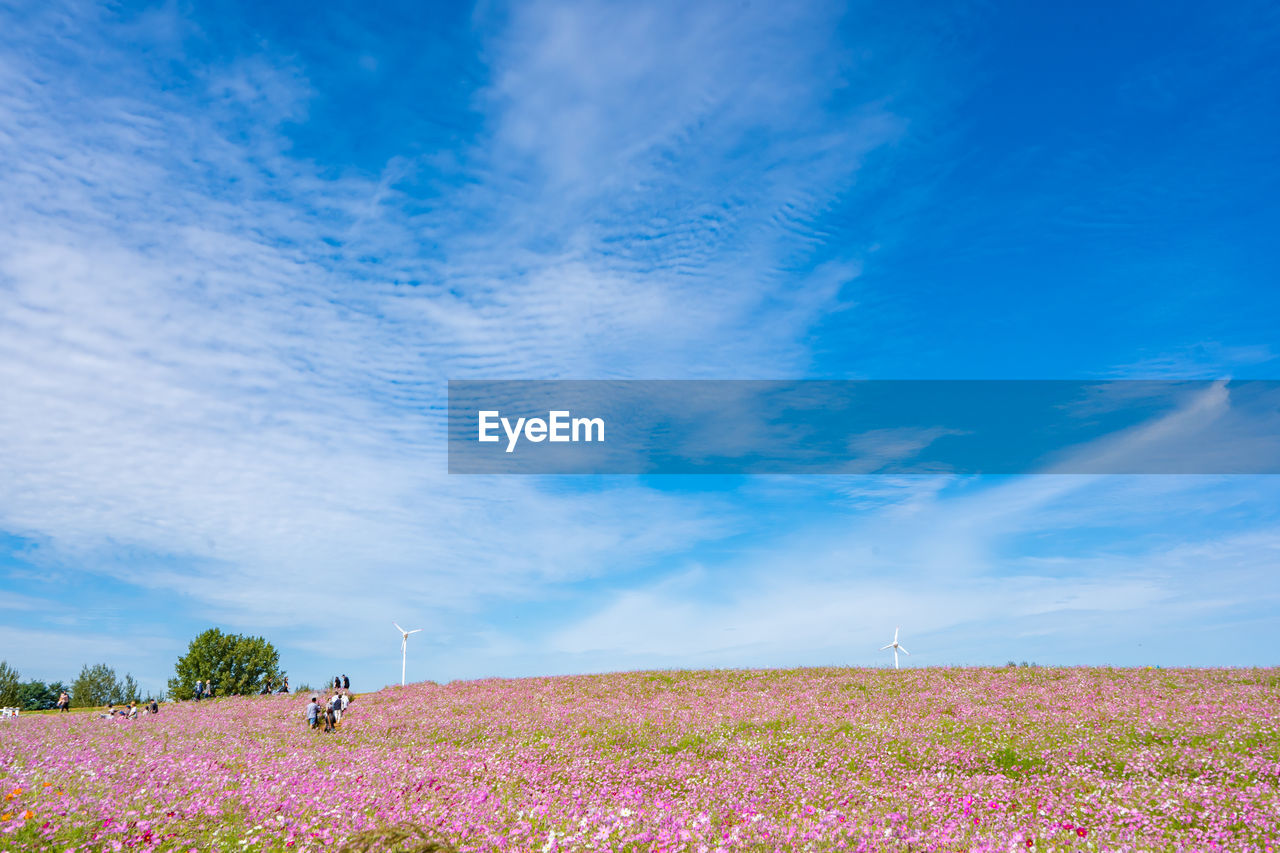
x=269 y=687
x=207 y=688
x=130 y=711
x=331 y=712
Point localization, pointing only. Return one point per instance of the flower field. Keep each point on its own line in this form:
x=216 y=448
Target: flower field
x=921 y=759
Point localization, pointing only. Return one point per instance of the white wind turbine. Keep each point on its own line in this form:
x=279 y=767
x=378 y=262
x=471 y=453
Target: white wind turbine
x=896 y=648
x=404 y=647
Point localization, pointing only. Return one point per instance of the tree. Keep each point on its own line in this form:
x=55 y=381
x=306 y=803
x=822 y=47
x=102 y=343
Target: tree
x=236 y=664
x=126 y=691
x=37 y=696
x=95 y=685
x=98 y=685
x=9 y=681
x=53 y=690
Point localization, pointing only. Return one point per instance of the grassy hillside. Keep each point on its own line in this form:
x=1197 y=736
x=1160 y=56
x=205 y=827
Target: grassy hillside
x=951 y=759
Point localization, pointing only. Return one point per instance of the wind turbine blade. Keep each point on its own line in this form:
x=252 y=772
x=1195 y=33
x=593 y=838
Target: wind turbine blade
x=398 y=628
x=882 y=648
x=414 y=631
x=903 y=650
x=895 y=635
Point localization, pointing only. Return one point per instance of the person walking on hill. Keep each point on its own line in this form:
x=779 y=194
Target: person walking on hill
x=346 y=682
x=330 y=717
x=199 y=689
x=313 y=712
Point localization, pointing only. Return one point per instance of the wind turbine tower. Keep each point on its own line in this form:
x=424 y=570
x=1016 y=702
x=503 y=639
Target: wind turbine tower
x=404 y=646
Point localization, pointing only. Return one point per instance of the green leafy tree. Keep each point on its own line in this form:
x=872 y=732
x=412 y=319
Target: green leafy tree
x=37 y=696
x=237 y=665
x=9 y=681
x=95 y=685
x=49 y=698
x=126 y=691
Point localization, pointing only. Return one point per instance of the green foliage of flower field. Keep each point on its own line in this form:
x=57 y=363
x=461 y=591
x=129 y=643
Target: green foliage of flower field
x=821 y=759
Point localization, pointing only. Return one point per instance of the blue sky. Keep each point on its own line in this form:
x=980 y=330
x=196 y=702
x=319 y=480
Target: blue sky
x=248 y=244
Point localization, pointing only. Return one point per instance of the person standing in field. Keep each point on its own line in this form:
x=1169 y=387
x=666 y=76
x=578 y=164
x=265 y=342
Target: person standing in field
x=64 y=702
x=346 y=682
x=313 y=712
x=199 y=689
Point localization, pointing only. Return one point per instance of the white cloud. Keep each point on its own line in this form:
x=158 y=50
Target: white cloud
x=222 y=366
x=1204 y=360
x=938 y=555
x=58 y=655
x=212 y=373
